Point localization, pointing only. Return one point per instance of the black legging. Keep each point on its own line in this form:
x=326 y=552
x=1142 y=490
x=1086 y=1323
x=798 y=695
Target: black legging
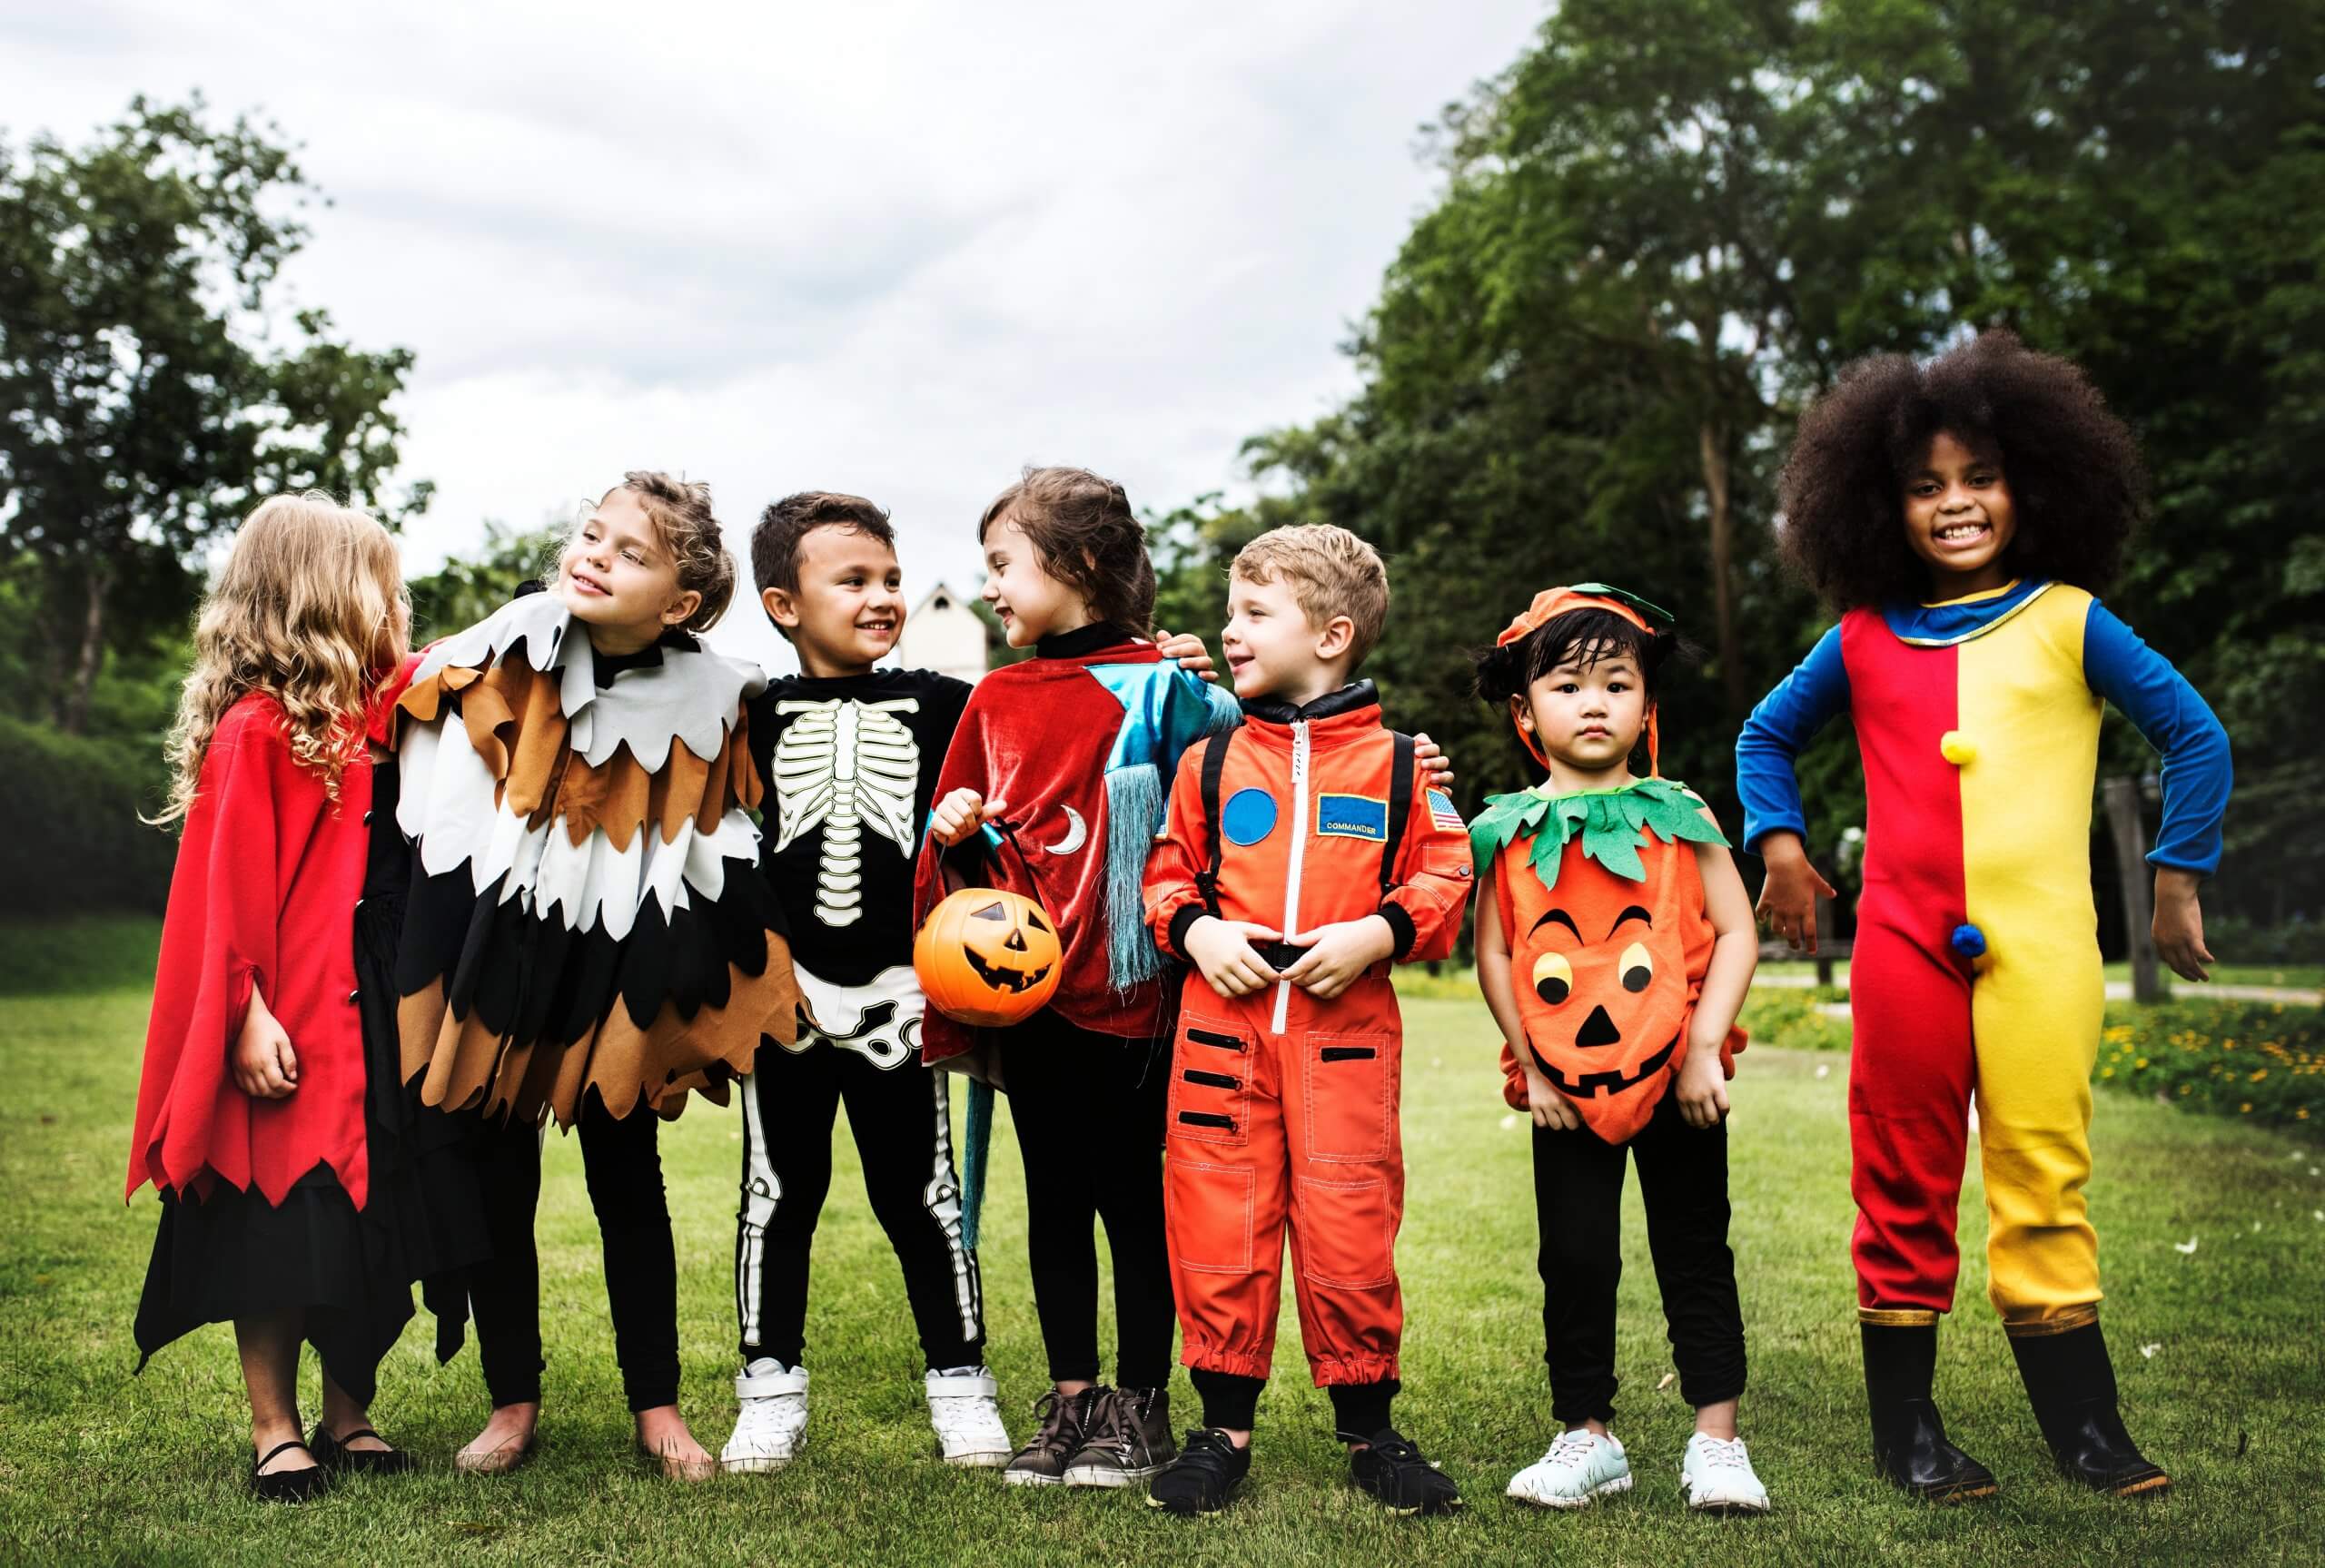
x=903 y=1126
x=624 y=1169
x=1579 y=1205
x=1088 y=1110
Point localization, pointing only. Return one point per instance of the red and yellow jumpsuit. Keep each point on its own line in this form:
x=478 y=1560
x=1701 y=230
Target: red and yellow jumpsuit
x=1283 y=1107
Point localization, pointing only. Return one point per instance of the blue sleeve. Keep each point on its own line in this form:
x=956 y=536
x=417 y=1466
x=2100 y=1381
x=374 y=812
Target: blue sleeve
x=2146 y=689
x=1788 y=719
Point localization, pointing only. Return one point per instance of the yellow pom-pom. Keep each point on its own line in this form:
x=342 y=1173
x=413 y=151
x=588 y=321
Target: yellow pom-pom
x=1957 y=748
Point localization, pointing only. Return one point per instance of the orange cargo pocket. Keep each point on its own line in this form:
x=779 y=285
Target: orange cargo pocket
x=1210 y=1210
x=1346 y=1237
x=1211 y=1082
x=1349 y=1085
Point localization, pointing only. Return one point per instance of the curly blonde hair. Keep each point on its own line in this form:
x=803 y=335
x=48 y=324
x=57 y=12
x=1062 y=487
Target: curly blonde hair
x=304 y=610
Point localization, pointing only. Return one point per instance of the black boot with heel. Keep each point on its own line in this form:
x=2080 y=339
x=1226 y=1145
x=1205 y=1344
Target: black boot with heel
x=2071 y=1382
x=1909 y=1446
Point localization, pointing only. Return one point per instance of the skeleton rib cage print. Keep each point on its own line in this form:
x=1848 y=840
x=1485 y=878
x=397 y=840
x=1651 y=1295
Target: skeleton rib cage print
x=845 y=765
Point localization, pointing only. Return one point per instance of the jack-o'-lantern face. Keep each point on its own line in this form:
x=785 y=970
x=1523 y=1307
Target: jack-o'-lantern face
x=1601 y=973
x=987 y=957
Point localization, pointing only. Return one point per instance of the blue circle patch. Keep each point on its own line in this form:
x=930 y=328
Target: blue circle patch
x=1248 y=817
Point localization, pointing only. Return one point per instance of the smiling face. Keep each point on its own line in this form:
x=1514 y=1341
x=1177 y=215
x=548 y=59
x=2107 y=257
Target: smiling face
x=848 y=609
x=1586 y=712
x=1273 y=650
x=1032 y=603
x=620 y=579
x=1959 y=519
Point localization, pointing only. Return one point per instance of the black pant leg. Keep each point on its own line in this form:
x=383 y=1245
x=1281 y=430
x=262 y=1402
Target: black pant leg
x=505 y=1289
x=1683 y=1183
x=901 y=1121
x=1130 y=1202
x=1578 y=1206
x=1052 y=1103
x=788 y=1102
x=623 y=1163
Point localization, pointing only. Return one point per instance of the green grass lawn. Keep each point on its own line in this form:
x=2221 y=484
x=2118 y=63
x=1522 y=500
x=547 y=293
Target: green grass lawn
x=96 y=1467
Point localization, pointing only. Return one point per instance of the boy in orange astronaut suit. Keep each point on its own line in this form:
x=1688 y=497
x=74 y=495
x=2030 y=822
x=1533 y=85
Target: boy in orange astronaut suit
x=1303 y=855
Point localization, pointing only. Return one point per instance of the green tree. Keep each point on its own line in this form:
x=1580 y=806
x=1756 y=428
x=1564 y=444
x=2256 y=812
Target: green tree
x=466 y=588
x=151 y=388
x=1670 y=221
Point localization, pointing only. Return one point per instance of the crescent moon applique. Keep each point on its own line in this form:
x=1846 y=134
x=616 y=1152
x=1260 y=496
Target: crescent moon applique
x=1078 y=833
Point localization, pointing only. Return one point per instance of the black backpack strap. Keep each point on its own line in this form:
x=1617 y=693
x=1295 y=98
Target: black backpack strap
x=1214 y=769
x=1400 y=806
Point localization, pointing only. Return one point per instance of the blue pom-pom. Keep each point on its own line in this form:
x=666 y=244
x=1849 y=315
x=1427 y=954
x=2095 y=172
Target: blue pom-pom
x=1969 y=941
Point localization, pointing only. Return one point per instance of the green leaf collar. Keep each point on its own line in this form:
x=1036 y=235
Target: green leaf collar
x=1614 y=824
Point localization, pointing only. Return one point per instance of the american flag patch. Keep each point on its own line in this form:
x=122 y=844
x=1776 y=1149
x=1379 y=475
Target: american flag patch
x=1442 y=813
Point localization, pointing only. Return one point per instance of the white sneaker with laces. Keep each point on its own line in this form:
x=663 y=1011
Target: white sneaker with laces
x=1580 y=1468
x=1718 y=1478
x=966 y=1417
x=773 y=1419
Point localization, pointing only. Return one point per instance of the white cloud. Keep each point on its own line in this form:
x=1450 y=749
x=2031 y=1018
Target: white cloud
x=896 y=248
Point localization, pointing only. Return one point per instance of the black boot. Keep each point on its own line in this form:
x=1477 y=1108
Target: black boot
x=2071 y=1384
x=1909 y=1446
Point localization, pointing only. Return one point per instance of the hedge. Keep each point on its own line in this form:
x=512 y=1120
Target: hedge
x=75 y=842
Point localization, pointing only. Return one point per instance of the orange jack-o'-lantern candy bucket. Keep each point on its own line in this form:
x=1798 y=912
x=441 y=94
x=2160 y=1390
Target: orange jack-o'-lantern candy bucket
x=987 y=957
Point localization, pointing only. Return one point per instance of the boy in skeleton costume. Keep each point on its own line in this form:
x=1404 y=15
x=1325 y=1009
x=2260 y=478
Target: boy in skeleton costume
x=848 y=757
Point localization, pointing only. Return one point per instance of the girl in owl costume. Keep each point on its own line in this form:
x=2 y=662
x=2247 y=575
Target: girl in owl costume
x=587 y=934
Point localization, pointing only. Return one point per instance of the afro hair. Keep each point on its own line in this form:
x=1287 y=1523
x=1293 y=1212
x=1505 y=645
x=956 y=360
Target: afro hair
x=2073 y=470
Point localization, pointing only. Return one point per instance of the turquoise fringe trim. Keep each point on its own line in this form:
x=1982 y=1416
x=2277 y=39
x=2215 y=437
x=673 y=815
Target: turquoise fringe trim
x=973 y=1149
x=1135 y=803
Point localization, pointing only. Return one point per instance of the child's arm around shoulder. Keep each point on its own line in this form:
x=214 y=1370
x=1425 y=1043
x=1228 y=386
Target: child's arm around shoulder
x=2146 y=688
x=1734 y=954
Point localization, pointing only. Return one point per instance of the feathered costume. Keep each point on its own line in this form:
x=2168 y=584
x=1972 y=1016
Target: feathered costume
x=587 y=913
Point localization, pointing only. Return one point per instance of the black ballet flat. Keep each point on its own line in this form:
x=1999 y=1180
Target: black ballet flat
x=289 y=1485
x=334 y=1454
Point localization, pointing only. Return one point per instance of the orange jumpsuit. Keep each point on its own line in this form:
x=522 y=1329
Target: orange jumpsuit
x=1283 y=1107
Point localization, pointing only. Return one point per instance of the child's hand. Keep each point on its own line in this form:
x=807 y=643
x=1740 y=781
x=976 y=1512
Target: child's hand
x=261 y=1060
x=1789 y=896
x=1188 y=649
x=960 y=814
x=1547 y=1107
x=1338 y=954
x=1433 y=762
x=1702 y=1088
x=2179 y=924
x=1222 y=948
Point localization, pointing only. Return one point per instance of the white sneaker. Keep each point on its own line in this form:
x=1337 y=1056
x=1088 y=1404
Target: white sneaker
x=966 y=1417
x=1580 y=1468
x=1718 y=1477
x=774 y=1420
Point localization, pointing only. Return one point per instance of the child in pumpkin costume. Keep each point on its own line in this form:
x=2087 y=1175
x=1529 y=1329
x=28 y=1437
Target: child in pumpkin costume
x=1305 y=854
x=1614 y=945
x=1960 y=517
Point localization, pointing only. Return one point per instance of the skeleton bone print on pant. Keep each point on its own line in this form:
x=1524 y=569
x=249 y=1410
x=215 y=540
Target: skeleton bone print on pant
x=845 y=765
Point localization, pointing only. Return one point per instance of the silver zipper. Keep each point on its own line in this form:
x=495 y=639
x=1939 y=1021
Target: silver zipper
x=1299 y=854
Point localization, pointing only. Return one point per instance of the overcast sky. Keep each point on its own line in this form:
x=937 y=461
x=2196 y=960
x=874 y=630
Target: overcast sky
x=900 y=249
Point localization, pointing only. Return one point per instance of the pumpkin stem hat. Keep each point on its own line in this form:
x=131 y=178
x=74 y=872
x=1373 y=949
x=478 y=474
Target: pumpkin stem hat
x=1551 y=603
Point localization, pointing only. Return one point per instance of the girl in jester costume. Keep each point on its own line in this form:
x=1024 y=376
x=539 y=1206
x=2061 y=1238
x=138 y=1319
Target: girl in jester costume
x=1961 y=516
x=1615 y=946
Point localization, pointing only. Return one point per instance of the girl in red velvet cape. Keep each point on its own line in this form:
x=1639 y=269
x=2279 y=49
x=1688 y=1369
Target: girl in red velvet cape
x=1064 y=757
x=286 y=1207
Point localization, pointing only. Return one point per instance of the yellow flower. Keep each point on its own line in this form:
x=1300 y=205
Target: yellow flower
x=2141 y=1062
x=2106 y=1072
x=2245 y=1110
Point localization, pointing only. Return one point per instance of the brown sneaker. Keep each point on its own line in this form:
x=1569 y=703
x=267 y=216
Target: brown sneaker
x=1064 y=1419
x=1128 y=1438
